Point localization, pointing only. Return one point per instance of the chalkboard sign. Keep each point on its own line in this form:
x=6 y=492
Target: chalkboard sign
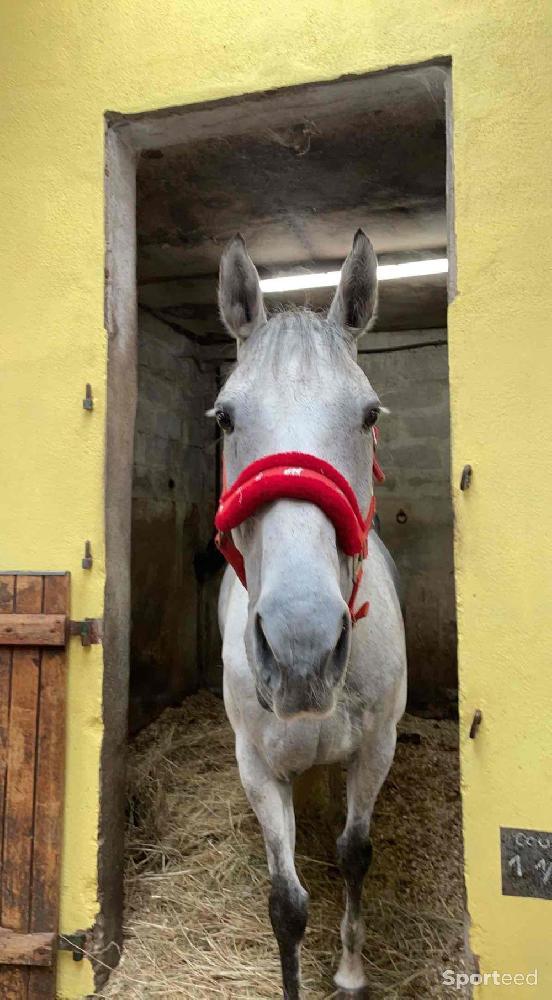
x=526 y=862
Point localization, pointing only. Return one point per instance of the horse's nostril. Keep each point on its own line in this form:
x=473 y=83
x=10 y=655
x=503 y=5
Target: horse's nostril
x=337 y=660
x=266 y=659
x=263 y=641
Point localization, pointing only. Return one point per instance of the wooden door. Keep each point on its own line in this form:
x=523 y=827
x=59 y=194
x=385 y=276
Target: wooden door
x=34 y=612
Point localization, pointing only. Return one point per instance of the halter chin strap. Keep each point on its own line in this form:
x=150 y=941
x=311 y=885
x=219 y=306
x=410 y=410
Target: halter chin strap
x=299 y=476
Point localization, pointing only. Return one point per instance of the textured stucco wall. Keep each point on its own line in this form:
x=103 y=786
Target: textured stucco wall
x=61 y=67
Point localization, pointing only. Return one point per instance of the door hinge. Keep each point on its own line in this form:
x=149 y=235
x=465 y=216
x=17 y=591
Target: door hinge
x=75 y=943
x=90 y=630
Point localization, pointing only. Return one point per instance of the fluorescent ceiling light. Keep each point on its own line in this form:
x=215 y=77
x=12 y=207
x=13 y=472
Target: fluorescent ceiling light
x=329 y=279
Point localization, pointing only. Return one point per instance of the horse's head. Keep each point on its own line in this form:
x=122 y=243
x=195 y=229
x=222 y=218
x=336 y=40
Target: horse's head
x=297 y=387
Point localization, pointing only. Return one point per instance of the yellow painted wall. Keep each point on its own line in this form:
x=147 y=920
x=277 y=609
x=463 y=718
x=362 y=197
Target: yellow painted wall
x=62 y=65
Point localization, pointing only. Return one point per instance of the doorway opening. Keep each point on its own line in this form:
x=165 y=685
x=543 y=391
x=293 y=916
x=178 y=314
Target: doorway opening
x=296 y=171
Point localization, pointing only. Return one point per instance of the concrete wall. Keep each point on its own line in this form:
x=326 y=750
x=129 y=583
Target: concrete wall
x=172 y=514
x=415 y=454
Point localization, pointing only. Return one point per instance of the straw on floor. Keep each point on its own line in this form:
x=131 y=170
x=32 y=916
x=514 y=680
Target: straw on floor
x=196 y=923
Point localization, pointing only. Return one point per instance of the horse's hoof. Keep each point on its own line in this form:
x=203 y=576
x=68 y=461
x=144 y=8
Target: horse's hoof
x=364 y=993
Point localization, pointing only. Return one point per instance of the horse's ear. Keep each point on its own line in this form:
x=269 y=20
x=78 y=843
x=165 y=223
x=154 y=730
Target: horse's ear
x=355 y=301
x=240 y=298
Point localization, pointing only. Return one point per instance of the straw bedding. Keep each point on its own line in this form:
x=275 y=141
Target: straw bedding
x=196 y=924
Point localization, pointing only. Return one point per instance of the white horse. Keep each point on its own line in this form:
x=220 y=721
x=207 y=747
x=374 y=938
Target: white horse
x=301 y=686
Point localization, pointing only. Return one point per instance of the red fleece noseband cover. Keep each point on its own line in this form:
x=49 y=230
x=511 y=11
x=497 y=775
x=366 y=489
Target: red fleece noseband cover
x=297 y=476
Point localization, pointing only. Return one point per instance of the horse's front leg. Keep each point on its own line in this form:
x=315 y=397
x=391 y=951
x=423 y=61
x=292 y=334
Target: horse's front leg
x=288 y=906
x=365 y=776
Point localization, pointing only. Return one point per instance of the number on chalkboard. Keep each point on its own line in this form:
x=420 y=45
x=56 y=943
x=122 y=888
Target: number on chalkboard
x=515 y=865
x=545 y=868
x=526 y=862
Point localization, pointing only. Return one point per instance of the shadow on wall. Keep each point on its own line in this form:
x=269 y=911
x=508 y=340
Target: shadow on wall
x=174 y=639
x=415 y=505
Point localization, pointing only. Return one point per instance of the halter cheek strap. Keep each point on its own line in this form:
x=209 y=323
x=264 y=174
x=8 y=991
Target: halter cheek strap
x=298 y=476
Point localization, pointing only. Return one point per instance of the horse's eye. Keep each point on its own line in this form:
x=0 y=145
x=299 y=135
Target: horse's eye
x=370 y=417
x=224 y=420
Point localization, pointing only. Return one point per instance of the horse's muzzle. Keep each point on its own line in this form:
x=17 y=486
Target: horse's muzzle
x=299 y=669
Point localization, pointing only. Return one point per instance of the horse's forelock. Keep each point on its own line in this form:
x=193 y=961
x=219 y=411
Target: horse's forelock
x=299 y=337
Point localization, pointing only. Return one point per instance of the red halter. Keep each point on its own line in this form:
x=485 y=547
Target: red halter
x=298 y=476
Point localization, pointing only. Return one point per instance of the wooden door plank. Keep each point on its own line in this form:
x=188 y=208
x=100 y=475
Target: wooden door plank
x=49 y=789
x=5 y=677
x=19 y=801
x=10 y=980
x=13 y=983
x=29 y=591
x=7 y=604
x=26 y=949
x=7 y=592
x=32 y=630
x=18 y=822
x=56 y=594
x=5 y=682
